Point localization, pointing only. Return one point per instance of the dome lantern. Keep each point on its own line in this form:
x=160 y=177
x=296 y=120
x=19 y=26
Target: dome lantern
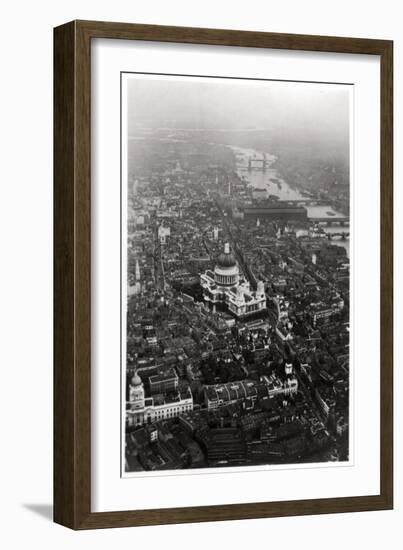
x=136 y=380
x=226 y=259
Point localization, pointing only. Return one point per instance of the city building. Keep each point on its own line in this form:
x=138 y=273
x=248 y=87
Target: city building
x=280 y=210
x=321 y=314
x=145 y=410
x=164 y=381
x=225 y=446
x=136 y=288
x=218 y=395
x=163 y=234
x=225 y=287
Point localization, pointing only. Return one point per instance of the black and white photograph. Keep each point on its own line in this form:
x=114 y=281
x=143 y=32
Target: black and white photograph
x=201 y=244
x=235 y=247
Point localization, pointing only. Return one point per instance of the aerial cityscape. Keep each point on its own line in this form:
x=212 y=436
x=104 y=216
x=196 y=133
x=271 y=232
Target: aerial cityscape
x=237 y=304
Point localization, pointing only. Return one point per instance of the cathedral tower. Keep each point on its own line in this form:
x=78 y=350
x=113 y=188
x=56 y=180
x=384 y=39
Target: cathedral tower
x=136 y=392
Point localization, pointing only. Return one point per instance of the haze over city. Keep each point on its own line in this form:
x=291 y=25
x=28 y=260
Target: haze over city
x=315 y=112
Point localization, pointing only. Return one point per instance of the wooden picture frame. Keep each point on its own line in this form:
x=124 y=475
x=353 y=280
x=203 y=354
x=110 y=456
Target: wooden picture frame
x=72 y=270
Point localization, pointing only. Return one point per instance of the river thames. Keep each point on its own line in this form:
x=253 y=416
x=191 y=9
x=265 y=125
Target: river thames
x=275 y=185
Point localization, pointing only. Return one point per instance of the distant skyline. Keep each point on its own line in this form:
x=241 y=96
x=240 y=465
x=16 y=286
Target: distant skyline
x=319 y=110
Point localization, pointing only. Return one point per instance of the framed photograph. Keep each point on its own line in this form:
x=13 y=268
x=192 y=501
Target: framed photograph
x=222 y=275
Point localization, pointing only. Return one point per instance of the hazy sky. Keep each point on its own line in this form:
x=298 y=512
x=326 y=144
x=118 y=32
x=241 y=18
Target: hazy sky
x=185 y=102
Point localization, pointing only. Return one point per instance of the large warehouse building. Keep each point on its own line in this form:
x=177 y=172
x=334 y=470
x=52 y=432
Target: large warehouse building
x=280 y=210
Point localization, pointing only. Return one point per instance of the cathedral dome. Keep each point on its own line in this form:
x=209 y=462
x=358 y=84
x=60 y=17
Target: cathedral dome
x=136 y=380
x=226 y=259
x=226 y=271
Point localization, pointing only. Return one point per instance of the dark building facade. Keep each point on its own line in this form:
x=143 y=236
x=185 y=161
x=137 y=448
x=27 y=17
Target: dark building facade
x=274 y=211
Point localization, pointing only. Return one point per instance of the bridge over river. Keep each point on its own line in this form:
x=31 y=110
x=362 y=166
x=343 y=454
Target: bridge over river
x=342 y=235
x=334 y=220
